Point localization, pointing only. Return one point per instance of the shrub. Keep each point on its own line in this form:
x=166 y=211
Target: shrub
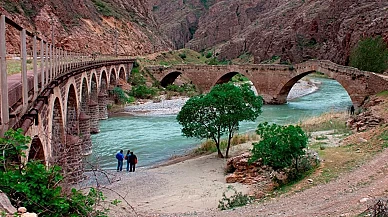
x=121 y=96
x=280 y=146
x=38 y=188
x=143 y=92
x=370 y=54
x=136 y=77
x=235 y=200
x=209 y=54
x=182 y=55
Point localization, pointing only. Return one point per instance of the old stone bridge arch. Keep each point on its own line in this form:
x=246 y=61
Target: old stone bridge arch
x=272 y=81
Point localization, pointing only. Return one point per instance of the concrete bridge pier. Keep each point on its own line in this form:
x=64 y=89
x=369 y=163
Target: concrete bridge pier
x=102 y=104
x=84 y=129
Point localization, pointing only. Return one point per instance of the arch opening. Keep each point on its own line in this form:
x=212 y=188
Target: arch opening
x=237 y=79
x=72 y=116
x=57 y=137
x=84 y=96
x=122 y=74
x=93 y=88
x=103 y=83
x=307 y=83
x=112 y=80
x=170 y=79
x=178 y=82
x=36 y=150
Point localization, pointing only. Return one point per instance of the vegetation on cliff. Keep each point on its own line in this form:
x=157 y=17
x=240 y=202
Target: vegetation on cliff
x=370 y=54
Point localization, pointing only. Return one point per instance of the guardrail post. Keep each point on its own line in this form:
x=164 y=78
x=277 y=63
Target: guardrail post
x=46 y=60
x=51 y=62
x=24 y=69
x=35 y=65
x=54 y=62
x=3 y=79
x=41 y=65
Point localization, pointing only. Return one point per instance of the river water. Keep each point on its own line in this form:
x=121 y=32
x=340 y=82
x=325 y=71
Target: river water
x=155 y=139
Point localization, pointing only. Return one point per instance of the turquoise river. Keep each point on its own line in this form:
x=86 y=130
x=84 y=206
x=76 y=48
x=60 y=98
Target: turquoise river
x=155 y=139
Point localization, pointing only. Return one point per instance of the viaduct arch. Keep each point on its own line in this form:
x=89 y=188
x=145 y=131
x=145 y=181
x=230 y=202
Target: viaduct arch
x=272 y=81
x=61 y=120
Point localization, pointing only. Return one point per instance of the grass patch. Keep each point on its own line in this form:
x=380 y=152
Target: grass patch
x=383 y=93
x=326 y=121
x=15 y=66
x=209 y=146
x=338 y=160
x=384 y=137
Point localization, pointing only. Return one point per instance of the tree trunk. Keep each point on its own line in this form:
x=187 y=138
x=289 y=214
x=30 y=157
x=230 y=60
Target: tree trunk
x=219 y=150
x=227 y=148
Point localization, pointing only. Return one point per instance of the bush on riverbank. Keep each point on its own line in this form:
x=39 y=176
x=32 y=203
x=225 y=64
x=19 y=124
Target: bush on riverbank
x=40 y=188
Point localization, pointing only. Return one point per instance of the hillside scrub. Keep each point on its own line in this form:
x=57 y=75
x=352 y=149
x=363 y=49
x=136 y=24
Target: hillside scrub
x=370 y=54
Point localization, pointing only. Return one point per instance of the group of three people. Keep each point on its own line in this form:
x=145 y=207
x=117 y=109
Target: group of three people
x=129 y=157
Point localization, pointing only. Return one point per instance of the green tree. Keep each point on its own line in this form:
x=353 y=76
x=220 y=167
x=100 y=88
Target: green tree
x=219 y=112
x=280 y=146
x=370 y=54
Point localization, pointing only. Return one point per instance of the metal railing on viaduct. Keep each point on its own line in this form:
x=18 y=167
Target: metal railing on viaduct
x=59 y=100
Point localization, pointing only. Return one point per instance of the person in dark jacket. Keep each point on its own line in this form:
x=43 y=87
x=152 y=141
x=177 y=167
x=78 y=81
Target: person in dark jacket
x=132 y=162
x=120 y=159
x=127 y=158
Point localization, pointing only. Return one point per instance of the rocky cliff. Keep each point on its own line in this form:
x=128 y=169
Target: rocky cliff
x=91 y=26
x=296 y=30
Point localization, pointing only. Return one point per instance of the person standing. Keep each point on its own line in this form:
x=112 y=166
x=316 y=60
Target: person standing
x=132 y=162
x=352 y=110
x=127 y=158
x=120 y=159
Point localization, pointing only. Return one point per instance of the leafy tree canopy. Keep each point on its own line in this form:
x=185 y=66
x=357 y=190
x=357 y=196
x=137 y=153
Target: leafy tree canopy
x=280 y=146
x=219 y=112
x=370 y=54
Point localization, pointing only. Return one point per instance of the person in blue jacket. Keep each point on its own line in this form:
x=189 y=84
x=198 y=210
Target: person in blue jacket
x=120 y=159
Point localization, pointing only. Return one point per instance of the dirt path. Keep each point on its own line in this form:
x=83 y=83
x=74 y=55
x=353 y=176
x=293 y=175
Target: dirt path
x=337 y=198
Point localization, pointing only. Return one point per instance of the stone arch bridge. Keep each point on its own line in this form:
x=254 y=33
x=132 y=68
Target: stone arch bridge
x=273 y=81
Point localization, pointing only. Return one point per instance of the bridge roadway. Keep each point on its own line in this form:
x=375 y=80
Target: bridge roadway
x=59 y=103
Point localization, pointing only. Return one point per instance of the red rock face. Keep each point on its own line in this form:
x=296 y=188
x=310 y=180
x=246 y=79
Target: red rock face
x=296 y=30
x=84 y=27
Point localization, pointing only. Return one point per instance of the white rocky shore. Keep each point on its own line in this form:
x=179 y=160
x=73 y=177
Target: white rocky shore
x=173 y=106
